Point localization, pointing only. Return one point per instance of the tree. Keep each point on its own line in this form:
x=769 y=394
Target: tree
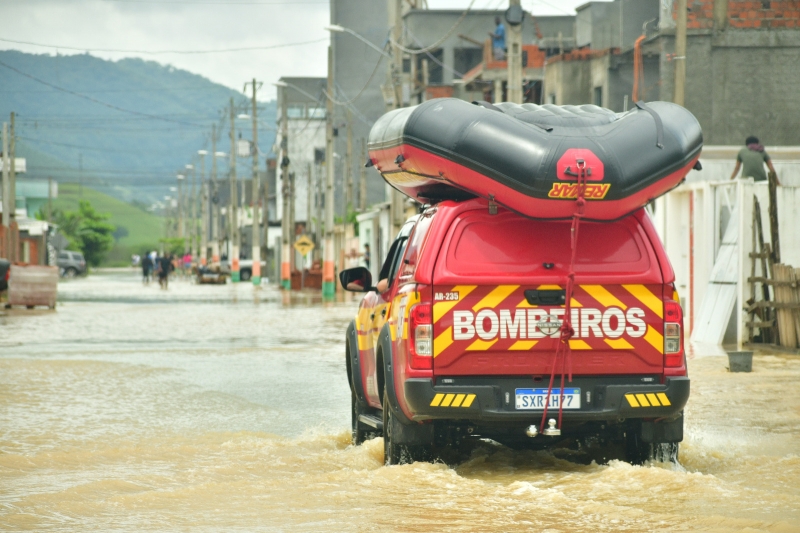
x=96 y=236
x=86 y=230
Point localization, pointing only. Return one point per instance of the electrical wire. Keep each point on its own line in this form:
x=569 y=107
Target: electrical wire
x=155 y=52
x=440 y=41
x=94 y=100
x=364 y=88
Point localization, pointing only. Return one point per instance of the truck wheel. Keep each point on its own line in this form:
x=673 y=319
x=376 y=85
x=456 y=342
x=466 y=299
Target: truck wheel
x=406 y=453
x=360 y=432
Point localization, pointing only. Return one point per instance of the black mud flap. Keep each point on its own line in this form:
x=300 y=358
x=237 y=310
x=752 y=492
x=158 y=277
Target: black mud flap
x=354 y=360
x=404 y=431
x=663 y=431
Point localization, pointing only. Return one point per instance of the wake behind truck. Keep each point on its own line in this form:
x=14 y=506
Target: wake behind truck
x=531 y=302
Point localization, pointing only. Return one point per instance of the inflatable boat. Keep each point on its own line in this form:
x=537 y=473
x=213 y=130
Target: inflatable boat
x=527 y=157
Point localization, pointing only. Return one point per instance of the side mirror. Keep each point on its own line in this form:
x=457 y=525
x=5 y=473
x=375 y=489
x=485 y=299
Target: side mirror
x=356 y=279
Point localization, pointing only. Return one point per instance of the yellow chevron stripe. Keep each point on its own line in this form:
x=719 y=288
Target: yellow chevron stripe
x=664 y=400
x=522 y=345
x=579 y=345
x=458 y=400
x=548 y=287
x=619 y=344
x=362 y=341
x=574 y=303
x=524 y=304
x=652 y=399
x=447 y=400
x=631 y=400
x=437 y=400
x=480 y=345
x=655 y=339
x=601 y=294
x=443 y=341
x=650 y=300
x=642 y=400
x=441 y=308
x=496 y=297
x=468 y=400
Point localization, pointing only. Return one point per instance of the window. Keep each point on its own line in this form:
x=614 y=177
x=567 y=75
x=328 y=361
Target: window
x=465 y=59
x=316 y=112
x=296 y=111
x=435 y=72
x=415 y=245
x=598 y=96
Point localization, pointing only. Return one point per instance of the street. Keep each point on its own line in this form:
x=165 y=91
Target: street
x=206 y=408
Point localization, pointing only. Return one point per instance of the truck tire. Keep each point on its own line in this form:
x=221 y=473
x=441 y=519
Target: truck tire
x=395 y=453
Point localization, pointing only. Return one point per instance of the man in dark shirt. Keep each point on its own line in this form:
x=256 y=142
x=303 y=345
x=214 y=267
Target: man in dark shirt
x=751 y=160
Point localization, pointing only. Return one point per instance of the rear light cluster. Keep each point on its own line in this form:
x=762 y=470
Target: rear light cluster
x=673 y=338
x=420 y=330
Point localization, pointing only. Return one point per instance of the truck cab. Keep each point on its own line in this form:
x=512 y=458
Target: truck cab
x=458 y=337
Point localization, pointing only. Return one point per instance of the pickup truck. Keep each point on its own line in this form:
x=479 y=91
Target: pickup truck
x=458 y=338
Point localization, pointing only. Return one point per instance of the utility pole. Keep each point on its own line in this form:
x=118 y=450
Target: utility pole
x=204 y=207
x=192 y=213
x=6 y=184
x=395 y=197
x=309 y=199
x=12 y=177
x=348 y=173
x=50 y=200
x=214 y=199
x=233 y=237
x=514 y=20
x=286 y=246
x=80 y=175
x=256 y=193
x=680 y=53
x=362 y=193
x=328 y=282
x=181 y=177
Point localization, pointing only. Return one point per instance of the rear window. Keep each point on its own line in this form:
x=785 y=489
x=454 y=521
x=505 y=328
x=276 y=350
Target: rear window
x=509 y=244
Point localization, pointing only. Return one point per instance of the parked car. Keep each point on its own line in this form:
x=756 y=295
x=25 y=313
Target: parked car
x=457 y=339
x=71 y=264
x=5 y=270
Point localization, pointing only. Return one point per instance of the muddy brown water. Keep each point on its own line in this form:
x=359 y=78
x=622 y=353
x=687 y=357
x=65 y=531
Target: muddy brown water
x=206 y=408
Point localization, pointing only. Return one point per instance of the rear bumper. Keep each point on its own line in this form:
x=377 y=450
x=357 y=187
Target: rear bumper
x=492 y=399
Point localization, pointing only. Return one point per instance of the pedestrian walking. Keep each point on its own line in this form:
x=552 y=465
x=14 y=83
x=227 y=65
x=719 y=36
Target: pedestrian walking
x=498 y=40
x=751 y=160
x=147 y=268
x=164 y=269
x=366 y=255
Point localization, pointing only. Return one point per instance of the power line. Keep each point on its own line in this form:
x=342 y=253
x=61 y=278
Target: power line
x=440 y=41
x=154 y=52
x=94 y=100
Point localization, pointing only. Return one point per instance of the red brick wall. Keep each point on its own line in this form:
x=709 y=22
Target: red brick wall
x=746 y=14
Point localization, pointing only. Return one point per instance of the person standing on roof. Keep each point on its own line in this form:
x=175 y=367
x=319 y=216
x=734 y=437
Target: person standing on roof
x=498 y=40
x=751 y=160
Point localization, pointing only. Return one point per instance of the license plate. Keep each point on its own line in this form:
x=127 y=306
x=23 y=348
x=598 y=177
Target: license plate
x=535 y=398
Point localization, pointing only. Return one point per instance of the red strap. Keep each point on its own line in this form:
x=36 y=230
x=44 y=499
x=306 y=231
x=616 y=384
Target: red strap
x=567 y=330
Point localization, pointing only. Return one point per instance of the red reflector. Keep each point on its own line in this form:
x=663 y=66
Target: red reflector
x=673 y=359
x=673 y=312
x=420 y=341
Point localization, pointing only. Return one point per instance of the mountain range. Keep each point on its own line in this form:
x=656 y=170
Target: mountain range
x=126 y=127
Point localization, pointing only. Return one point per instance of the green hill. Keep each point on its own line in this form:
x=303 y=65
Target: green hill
x=123 y=127
x=137 y=230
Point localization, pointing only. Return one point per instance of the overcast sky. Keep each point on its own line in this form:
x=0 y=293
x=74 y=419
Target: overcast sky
x=191 y=25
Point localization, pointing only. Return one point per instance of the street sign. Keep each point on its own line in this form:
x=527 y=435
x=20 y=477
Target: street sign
x=303 y=245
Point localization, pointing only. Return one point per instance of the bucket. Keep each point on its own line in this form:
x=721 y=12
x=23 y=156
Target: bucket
x=740 y=361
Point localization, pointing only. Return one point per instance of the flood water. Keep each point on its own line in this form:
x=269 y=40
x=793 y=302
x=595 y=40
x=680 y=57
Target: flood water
x=204 y=408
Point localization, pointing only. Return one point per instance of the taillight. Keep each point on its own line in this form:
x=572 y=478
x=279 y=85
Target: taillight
x=673 y=339
x=420 y=329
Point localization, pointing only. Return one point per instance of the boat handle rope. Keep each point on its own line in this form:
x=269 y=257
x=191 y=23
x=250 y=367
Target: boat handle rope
x=567 y=331
x=659 y=125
